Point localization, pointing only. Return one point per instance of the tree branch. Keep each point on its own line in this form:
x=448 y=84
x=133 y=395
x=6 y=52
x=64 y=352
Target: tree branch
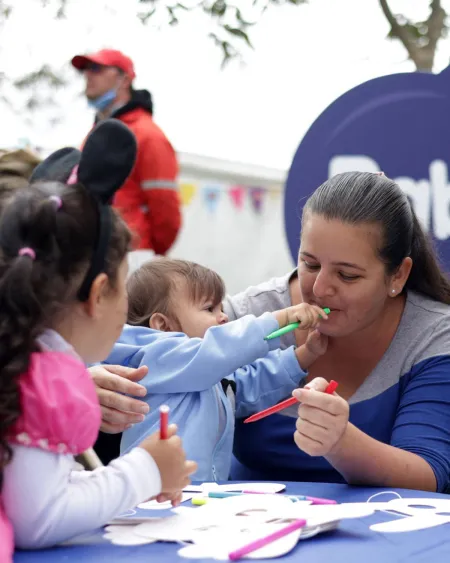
x=436 y=24
x=399 y=31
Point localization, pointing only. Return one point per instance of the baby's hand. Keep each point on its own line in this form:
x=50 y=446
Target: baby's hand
x=316 y=343
x=307 y=315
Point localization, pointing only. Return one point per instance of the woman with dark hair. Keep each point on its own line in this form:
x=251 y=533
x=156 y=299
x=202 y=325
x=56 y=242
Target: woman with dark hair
x=364 y=255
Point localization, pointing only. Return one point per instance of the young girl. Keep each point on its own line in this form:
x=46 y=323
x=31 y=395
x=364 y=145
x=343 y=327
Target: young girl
x=183 y=336
x=63 y=303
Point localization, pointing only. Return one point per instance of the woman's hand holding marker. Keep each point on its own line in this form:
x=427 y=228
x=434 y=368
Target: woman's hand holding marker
x=322 y=418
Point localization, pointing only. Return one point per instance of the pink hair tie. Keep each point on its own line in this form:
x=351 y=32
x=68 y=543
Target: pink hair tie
x=27 y=251
x=73 y=178
x=57 y=200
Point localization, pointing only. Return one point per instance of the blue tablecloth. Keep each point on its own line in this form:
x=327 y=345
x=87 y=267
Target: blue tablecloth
x=352 y=542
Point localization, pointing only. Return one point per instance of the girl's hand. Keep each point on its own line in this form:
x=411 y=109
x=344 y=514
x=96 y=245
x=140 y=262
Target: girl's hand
x=170 y=458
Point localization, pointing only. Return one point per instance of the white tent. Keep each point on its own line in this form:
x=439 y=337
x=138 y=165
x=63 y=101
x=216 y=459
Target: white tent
x=233 y=220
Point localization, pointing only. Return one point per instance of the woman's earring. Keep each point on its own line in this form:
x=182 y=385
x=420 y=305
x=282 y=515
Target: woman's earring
x=393 y=291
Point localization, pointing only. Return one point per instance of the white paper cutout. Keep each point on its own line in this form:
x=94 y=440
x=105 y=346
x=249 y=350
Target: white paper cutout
x=155 y=505
x=124 y=535
x=236 y=487
x=225 y=531
x=173 y=528
x=221 y=542
x=421 y=513
x=420 y=506
x=200 y=552
x=129 y=512
x=219 y=527
x=317 y=514
x=223 y=525
x=216 y=514
x=131 y=520
x=410 y=524
x=237 y=521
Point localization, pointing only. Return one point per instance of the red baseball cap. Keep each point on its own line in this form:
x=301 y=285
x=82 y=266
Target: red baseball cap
x=106 y=57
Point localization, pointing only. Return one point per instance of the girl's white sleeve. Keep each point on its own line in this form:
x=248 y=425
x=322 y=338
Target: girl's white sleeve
x=47 y=504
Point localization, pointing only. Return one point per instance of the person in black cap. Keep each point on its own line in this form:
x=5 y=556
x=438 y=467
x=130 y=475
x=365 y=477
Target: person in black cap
x=63 y=302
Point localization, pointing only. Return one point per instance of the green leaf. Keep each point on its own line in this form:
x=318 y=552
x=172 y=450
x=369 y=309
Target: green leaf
x=238 y=33
x=5 y=10
x=218 y=9
x=44 y=75
x=173 y=20
x=145 y=16
x=240 y=19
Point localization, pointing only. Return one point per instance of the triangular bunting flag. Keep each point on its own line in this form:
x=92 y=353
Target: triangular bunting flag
x=187 y=193
x=211 y=196
x=237 y=194
x=256 y=197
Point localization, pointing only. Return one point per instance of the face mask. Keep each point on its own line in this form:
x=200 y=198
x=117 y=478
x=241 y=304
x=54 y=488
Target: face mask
x=103 y=101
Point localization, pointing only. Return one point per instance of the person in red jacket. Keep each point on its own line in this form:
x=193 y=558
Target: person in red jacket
x=149 y=201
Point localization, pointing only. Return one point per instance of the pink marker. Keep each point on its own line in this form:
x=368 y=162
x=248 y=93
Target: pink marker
x=314 y=500
x=258 y=544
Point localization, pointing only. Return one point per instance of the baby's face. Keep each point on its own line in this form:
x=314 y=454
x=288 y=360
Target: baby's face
x=196 y=318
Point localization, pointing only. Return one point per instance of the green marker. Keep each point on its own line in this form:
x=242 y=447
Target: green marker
x=288 y=328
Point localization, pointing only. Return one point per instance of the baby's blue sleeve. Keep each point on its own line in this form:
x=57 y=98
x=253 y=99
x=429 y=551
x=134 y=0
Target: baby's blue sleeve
x=266 y=381
x=178 y=364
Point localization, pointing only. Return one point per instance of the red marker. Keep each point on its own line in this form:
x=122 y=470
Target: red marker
x=163 y=421
x=331 y=388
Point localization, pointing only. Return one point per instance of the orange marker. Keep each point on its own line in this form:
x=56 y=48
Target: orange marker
x=331 y=388
x=163 y=421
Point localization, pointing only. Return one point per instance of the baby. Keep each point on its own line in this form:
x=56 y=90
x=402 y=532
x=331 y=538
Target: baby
x=176 y=327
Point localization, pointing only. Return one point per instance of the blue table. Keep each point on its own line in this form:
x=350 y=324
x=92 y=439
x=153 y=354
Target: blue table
x=352 y=542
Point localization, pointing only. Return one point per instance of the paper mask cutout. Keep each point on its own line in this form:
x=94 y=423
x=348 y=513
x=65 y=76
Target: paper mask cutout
x=222 y=525
x=264 y=514
x=236 y=487
x=420 y=513
x=410 y=524
x=155 y=505
x=124 y=535
x=223 y=540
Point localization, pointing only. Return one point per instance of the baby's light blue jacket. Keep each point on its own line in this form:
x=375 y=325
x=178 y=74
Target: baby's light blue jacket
x=185 y=373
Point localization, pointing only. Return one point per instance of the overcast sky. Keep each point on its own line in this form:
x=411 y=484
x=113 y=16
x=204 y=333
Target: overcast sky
x=304 y=58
